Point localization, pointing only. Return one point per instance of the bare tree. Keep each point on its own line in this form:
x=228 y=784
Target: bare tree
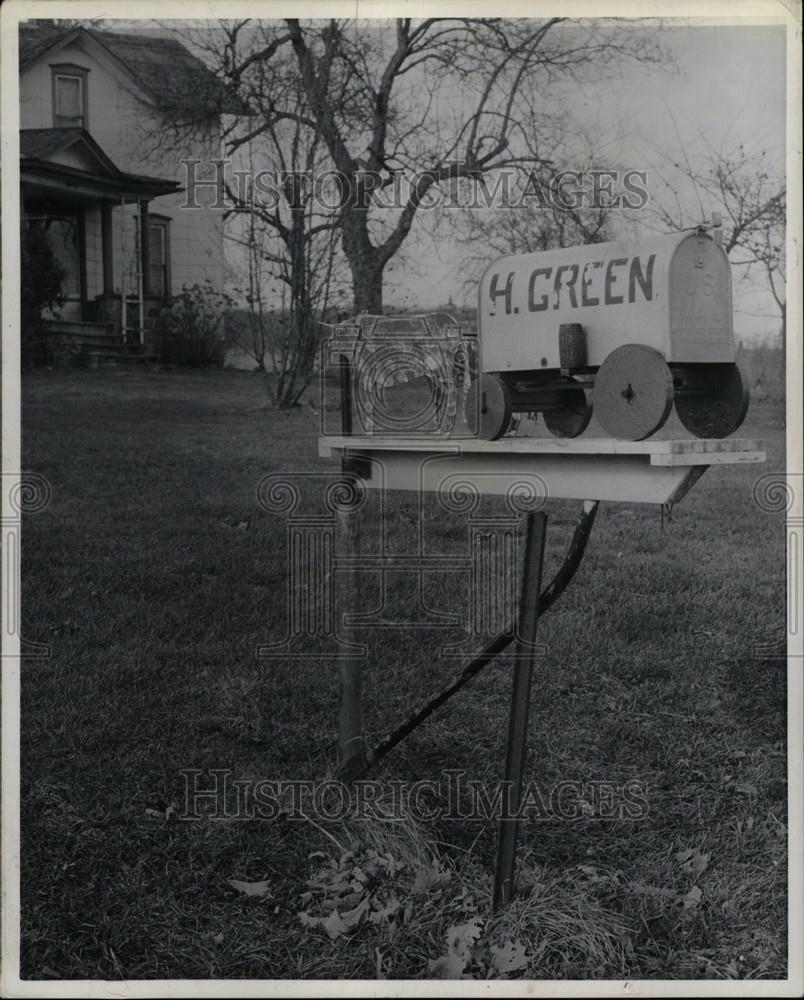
x=404 y=106
x=283 y=237
x=433 y=101
x=751 y=196
x=287 y=241
x=525 y=225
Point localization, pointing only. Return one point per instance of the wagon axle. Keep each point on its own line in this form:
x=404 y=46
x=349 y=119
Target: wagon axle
x=627 y=329
x=632 y=395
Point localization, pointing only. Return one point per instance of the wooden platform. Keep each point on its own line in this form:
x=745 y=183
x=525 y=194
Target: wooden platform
x=652 y=471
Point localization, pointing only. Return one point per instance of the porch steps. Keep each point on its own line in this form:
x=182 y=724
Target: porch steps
x=80 y=328
x=119 y=354
x=90 y=344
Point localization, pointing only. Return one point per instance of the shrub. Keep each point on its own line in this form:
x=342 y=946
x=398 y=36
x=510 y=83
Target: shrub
x=42 y=279
x=190 y=329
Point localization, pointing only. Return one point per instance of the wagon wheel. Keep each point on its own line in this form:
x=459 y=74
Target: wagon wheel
x=573 y=416
x=633 y=392
x=717 y=402
x=488 y=407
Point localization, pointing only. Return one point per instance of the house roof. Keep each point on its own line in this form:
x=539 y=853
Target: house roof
x=160 y=65
x=42 y=143
x=39 y=145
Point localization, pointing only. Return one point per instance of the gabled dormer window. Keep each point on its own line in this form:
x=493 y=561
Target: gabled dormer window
x=70 y=98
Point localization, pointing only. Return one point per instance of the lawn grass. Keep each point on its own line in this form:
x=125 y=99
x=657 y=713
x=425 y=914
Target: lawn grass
x=154 y=574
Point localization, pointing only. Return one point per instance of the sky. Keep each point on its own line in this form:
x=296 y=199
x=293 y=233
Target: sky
x=726 y=84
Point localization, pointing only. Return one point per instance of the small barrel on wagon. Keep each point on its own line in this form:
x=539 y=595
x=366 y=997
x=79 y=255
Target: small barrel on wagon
x=622 y=329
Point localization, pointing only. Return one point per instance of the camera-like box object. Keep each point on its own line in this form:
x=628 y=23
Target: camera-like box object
x=403 y=376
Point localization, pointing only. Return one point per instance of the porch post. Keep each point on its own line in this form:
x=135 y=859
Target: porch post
x=145 y=261
x=123 y=303
x=145 y=250
x=107 y=242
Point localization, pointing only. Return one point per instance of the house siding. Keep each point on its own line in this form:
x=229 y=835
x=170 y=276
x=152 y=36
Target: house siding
x=124 y=129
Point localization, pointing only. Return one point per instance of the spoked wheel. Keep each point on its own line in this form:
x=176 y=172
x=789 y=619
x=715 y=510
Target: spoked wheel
x=572 y=417
x=488 y=407
x=713 y=400
x=633 y=392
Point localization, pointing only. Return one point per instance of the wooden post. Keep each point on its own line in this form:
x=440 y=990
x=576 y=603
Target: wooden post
x=145 y=249
x=520 y=706
x=350 y=666
x=107 y=243
x=123 y=303
x=144 y=263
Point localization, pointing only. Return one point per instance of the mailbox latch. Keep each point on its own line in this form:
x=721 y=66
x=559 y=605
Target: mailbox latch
x=700 y=239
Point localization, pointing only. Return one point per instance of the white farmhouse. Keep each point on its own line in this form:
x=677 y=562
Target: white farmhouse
x=99 y=168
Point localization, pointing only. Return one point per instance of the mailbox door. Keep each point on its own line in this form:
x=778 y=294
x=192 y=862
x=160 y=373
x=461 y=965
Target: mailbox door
x=700 y=302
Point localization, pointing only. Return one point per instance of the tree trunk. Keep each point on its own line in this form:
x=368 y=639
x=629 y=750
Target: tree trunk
x=364 y=259
x=367 y=287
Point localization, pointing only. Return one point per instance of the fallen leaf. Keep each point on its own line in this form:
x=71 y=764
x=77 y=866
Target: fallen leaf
x=427 y=877
x=353 y=917
x=461 y=938
x=160 y=810
x=693 y=898
x=391 y=908
x=693 y=861
x=446 y=967
x=335 y=926
x=509 y=957
x=250 y=888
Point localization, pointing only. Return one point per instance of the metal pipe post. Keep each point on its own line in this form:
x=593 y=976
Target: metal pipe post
x=350 y=666
x=520 y=705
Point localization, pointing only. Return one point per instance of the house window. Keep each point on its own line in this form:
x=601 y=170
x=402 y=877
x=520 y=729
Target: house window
x=69 y=96
x=159 y=256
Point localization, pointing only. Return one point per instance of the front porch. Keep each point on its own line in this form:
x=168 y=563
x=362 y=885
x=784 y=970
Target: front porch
x=113 y=252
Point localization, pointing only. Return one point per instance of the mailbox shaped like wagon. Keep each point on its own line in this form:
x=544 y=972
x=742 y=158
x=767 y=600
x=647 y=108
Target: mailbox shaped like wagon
x=638 y=326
